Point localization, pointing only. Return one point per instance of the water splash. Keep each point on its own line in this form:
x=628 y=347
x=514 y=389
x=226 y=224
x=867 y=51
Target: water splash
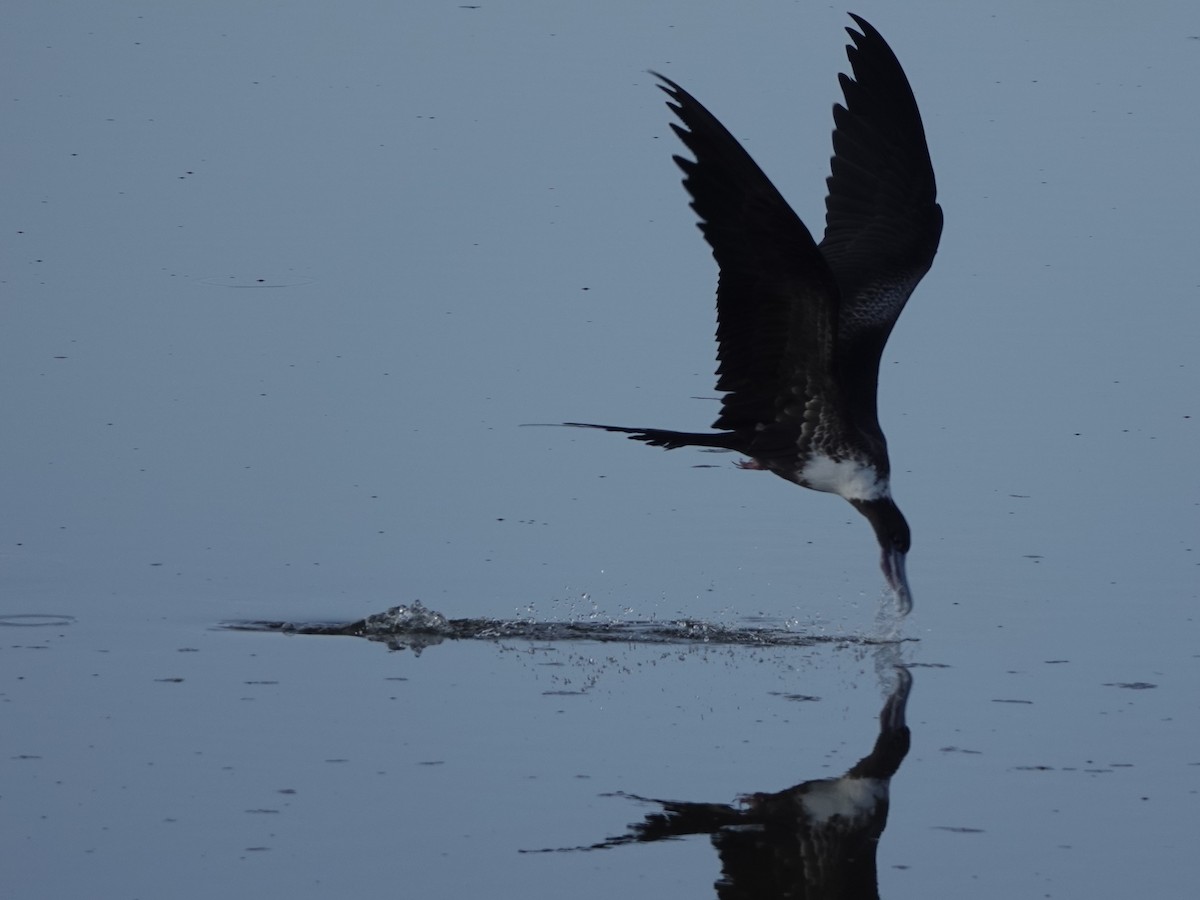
x=416 y=627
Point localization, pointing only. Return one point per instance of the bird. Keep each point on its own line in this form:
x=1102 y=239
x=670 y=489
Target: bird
x=817 y=839
x=801 y=325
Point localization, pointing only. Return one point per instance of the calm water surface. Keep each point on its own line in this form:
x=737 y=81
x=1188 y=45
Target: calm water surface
x=278 y=292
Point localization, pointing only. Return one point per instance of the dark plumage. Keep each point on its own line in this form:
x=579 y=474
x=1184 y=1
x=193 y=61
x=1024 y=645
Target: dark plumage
x=817 y=839
x=802 y=326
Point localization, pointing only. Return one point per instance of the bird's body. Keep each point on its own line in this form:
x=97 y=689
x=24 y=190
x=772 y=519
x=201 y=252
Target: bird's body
x=802 y=326
x=816 y=839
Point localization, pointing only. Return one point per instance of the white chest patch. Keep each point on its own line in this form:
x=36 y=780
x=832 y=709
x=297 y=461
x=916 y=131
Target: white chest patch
x=850 y=798
x=848 y=478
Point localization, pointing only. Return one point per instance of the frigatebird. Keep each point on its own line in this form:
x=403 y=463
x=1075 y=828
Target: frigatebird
x=801 y=326
x=818 y=839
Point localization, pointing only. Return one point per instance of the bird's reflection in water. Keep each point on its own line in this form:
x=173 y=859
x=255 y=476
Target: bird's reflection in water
x=815 y=840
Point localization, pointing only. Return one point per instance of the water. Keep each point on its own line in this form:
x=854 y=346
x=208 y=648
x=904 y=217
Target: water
x=278 y=293
x=416 y=627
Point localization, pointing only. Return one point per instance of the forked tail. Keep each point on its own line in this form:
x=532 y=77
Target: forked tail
x=670 y=440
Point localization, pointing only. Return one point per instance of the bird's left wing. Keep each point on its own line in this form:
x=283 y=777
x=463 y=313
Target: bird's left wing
x=776 y=296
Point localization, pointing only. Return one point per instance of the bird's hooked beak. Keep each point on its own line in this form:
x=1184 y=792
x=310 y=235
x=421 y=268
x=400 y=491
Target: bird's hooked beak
x=894 y=571
x=891 y=530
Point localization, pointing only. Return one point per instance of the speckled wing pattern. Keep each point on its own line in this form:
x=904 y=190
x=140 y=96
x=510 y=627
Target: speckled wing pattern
x=882 y=223
x=776 y=297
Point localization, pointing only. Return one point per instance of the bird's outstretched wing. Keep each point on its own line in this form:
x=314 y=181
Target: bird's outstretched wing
x=882 y=222
x=776 y=297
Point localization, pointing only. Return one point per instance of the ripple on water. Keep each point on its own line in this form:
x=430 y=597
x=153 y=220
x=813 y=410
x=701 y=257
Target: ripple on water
x=417 y=627
x=35 y=620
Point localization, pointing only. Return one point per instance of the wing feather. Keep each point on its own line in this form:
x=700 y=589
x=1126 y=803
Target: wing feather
x=776 y=296
x=882 y=223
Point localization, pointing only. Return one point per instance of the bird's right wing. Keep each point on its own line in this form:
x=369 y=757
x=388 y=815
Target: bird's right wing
x=882 y=223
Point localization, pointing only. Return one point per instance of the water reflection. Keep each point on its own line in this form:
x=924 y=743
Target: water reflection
x=815 y=840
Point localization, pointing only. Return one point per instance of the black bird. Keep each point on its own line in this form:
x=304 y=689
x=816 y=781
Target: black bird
x=801 y=326
x=818 y=839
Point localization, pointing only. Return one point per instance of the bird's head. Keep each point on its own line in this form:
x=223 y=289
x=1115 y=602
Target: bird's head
x=891 y=530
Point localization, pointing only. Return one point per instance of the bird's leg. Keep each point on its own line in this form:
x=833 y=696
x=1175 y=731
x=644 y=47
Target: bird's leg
x=752 y=464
